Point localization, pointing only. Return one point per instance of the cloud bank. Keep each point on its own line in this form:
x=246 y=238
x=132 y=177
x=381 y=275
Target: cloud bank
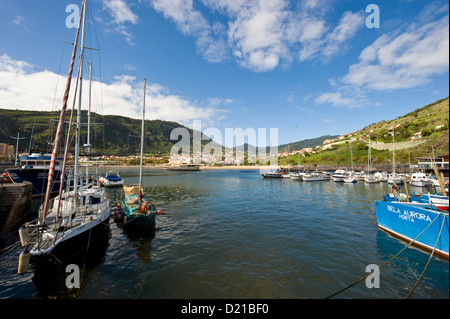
x=23 y=87
x=402 y=59
x=261 y=34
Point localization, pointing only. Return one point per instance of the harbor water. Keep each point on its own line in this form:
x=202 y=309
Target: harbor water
x=233 y=234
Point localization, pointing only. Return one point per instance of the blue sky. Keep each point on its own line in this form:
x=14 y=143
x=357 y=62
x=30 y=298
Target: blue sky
x=308 y=68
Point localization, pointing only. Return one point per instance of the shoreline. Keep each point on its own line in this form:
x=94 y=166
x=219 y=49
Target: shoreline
x=243 y=167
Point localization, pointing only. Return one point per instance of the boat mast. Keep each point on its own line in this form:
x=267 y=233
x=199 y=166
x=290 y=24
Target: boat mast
x=142 y=139
x=351 y=155
x=88 y=144
x=369 y=160
x=77 y=145
x=393 y=150
x=59 y=128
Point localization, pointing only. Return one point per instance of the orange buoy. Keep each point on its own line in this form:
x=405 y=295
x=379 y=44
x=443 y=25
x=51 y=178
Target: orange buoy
x=144 y=207
x=118 y=205
x=158 y=211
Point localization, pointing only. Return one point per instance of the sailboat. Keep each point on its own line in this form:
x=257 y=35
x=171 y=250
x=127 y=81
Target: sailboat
x=350 y=178
x=394 y=178
x=73 y=220
x=369 y=178
x=136 y=208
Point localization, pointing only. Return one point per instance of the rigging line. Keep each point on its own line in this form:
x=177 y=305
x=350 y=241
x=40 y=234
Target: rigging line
x=84 y=264
x=395 y=256
x=99 y=55
x=428 y=262
x=9 y=248
x=66 y=147
x=59 y=71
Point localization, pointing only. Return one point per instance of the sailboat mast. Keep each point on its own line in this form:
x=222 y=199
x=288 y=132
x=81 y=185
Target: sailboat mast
x=393 y=150
x=351 y=154
x=77 y=145
x=88 y=142
x=61 y=121
x=142 y=138
x=369 y=160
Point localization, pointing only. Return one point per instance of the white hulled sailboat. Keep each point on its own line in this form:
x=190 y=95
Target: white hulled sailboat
x=75 y=218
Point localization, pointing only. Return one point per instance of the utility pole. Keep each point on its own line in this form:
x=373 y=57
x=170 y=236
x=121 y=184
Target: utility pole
x=17 y=145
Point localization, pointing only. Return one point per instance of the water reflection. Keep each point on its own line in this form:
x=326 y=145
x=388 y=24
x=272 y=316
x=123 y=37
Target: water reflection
x=227 y=234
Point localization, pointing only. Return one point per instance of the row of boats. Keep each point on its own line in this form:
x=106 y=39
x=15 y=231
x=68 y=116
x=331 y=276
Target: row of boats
x=346 y=176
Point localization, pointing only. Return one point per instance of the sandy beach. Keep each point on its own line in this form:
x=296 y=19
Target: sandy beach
x=232 y=167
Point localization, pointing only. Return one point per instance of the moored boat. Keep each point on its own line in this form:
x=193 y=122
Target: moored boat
x=314 y=177
x=73 y=220
x=427 y=227
x=34 y=168
x=350 y=179
x=273 y=174
x=340 y=174
x=371 y=179
x=110 y=179
x=136 y=209
x=420 y=180
x=441 y=202
x=394 y=179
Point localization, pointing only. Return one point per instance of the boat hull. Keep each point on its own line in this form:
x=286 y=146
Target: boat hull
x=272 y=175
x=77 y=245
x=110 y=183
x=314 y=179
x=140 y=222
x=38 y=177
x=420 y=183
x=133 y=217
x=407 y=222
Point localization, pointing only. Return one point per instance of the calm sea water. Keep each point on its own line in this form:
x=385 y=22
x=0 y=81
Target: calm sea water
x=233 y=234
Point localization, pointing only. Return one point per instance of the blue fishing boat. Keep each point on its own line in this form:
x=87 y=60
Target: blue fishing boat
x=415 y=219
x=34 y=168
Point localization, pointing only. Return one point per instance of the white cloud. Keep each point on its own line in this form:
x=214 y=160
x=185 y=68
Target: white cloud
x=192 y=23
x=120 y=11
x=337 y=99
x=122 y=16
x=261 y=34
x=403 y=59
x=18 y=20
x=22 y=87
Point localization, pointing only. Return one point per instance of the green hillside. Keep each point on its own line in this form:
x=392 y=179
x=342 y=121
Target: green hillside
x=118 y=135
x=110 y=134
x=432 y=121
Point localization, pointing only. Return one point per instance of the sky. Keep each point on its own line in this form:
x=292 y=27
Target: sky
x=306 y=68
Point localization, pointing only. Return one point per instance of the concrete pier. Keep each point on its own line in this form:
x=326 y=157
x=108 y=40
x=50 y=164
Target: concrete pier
x=15 y=203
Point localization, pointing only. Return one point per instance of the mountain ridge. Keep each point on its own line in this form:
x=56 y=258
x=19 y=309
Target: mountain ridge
x=120 y=135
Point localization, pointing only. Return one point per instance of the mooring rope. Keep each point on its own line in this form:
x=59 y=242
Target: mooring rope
x=395 y=256
x=9 y=248
x=428 y=262
x=84 y=264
